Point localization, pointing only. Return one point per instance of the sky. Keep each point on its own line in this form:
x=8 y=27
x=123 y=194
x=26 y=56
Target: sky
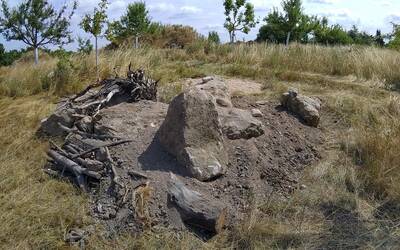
x=208 y=15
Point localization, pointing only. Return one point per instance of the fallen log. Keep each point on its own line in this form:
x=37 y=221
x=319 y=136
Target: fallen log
x=72 y=166
x=195 y=209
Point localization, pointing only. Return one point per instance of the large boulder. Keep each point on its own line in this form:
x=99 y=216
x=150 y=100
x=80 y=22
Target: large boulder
x=240 y=124
x=305 y=107
x=218 y=89
x=193 y=133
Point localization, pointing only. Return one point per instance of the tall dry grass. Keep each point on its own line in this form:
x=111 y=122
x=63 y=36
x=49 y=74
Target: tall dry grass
x=260 y=61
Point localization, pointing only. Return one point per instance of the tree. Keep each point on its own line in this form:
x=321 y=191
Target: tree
x=330 y=35
x=293 y=16
x=134 y=23
x=85 y=46
x=394 y=42
x=361 y=38
x=36 y=23
x=379 y=39
x=292 y=24
x=8 y=57
x=213 y=37
x=94 y=24
x=239 y=17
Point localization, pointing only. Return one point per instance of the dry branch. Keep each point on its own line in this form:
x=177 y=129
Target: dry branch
x=112 y=144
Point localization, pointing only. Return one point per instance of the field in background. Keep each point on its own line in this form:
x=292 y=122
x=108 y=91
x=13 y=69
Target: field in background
x=352 y=195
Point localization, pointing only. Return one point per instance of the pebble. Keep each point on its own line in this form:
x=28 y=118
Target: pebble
x=256 y=113
x=261 y=103
x=207 y=79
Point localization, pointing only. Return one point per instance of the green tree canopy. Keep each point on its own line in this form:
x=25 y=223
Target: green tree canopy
x=94 y=23
x=36 y=23
x=330 y=34
x=134 y=23
x=239 y=17
x=291 y=24
x=394 y=42
x=213 y=37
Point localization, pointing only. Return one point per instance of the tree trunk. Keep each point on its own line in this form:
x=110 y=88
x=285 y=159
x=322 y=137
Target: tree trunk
x=288 y=38
x=232 y=36
x=97 y=59
x=36 y=54
x=136 y=42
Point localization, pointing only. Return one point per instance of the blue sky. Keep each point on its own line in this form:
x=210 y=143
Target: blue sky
x=207 y=15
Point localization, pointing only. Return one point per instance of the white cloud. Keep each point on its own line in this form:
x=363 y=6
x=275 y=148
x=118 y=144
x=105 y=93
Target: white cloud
x=161 y=7
x=323 y=1
x=189 y=10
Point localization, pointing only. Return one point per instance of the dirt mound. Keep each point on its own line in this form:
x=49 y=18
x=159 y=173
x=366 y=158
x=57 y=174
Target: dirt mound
x=133 y=188
x=256 y=166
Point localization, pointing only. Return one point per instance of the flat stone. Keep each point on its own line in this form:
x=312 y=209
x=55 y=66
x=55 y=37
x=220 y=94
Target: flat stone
x=240 y=124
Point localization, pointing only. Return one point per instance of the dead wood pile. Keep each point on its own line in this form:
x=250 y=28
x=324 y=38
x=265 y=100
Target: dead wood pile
x=84 y=156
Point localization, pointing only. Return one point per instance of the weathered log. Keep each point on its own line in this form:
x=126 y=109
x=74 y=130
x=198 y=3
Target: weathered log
x=91 y=165
x=101 y=146
x=70 y=149
x=54 y=145
x=72 y=166
x=195 y=209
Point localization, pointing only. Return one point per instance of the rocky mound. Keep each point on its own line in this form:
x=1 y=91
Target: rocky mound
x=191 y=165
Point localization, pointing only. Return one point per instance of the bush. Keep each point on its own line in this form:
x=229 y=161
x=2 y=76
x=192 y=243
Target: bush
x=63 y=74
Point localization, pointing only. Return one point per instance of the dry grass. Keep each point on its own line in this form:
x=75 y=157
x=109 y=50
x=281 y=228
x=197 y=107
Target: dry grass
x=259 y=61
x=35 y=211
x=352 y=195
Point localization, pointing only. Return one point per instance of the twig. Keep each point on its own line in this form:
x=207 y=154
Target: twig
x=101 y=146
x=137 y=174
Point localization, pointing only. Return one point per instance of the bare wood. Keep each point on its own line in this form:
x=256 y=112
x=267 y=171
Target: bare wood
x=72 y=166
x=195 y=209
x=70 y=149
x=112 y=144
x=116 y=178
x=76 y=131
x=137 y=174
x=90 y=164
x=58 y=148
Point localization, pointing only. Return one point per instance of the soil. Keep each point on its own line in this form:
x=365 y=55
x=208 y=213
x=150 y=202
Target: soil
x=272 y=162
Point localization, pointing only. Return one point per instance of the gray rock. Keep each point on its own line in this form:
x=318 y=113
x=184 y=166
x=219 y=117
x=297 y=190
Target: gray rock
x=307 y=108
x=256 y=113
x=240 y=124
x=218 y=89
x=192 y=132
x=50 y=127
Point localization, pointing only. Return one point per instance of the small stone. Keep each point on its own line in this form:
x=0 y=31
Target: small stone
x=206 y=79
x=256 y=113
x=302 y=187
x=261 y=103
